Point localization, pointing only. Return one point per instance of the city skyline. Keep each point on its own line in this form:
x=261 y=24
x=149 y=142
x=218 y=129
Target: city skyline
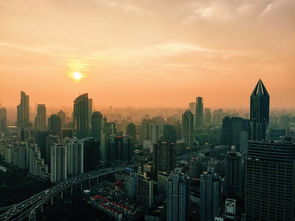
x=142 y=53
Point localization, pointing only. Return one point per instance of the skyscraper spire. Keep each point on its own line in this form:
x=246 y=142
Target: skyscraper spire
x=259 y=112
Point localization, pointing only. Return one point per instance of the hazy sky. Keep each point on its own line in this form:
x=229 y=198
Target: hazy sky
x=147 y=52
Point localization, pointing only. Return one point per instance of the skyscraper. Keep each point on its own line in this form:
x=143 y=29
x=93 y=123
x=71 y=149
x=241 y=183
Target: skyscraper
x=96 y=125
x=270 y=181
x=54 y=125
x=188 y=128
x=119 y=148
x=75 y=157
x=40 y=119
x=207 y=116
x=233 y=173
x=209 y=195
x=131 y=130
x=3 y=119
x=177 y=196
x=259 y=112
x=58 y=165
x=163 y=157
x=62 y=116
x=90 y=153
x=199 y=112
x=23 y=111
x=82 y=116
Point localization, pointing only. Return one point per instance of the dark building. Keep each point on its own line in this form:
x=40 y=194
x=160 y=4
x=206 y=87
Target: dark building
x=233 y=174
x=232 y=128
x=163 y=157
x=82 y=116
x=91 y=154
x=199 y=112
x=119 y=148
x=54 y=125
x=259 y=112
x=188 y=128
x=23 y=111
x=270 y=181
x=96 y=125
x=169 y=133
x=131 y=130
x=3 y=119
x=40 y=138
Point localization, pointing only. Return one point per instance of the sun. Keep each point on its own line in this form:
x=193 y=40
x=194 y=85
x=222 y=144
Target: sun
x=77 y=76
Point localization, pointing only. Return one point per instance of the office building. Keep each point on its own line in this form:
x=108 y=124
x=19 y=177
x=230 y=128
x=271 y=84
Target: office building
x=119 y=148
x=131 y=131
x=233 y=174
x=96 y=125
x=91 y=153
x=3 y=119
x=177 y=198
x=145 y=191
x=62 y=116
x=82 y=116
x=199 y=112
x=270 y=181
x=210 y=188
x=188 y=128
x=54 y=125
x=23 y=111
x=163 y=157
x=259 y=112
x=40 y=119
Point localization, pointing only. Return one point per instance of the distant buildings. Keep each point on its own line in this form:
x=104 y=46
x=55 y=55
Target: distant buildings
x=55 y=125
x=259 y=112
x=91 y=153
x=23 y=111
x=131 y=131
x=177 y=198
x=188 y=128
x=210 y=192
x=145 y=190
x=82 y=116
x=75 y=157
x=40 y=119
x=270 y=181
x=3 y=119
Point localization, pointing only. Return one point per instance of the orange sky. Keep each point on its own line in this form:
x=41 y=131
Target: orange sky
x=147 y=52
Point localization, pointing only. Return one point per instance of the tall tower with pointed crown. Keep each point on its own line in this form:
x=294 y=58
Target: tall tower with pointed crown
x=259 y=112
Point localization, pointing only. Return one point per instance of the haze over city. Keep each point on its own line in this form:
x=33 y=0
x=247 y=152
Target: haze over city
x=147 y=53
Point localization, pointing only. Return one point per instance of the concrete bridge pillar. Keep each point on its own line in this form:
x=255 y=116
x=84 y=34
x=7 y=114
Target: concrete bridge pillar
x=71 y=190
x=89 y=184
x=42 y=208
x=81 y=185
x=61 y=194
x=52 y=201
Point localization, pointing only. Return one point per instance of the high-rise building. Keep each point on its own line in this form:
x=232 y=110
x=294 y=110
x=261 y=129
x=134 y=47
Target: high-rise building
x=188 y=128
x=145 y=190
x=163 y=157
x=91 y=153
x=58 y=165
x=199 y=112
x=217 y=117
x=207 y=116
x=270 y=181
x=155 y=131
x=96 y=125
x=40 y=119
x=169 y=133
x=210 y=188
x=62 y=116
x=192 y=107
x=54 y=125
x=177 y=196
x=232 y=129
x=259 y=112
x=119 y=148
x=233 y=173
x=75 y=157
x=23 y=111
x=131 y=131
x=194 y=167
x=3 y=119
x=82 y=116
